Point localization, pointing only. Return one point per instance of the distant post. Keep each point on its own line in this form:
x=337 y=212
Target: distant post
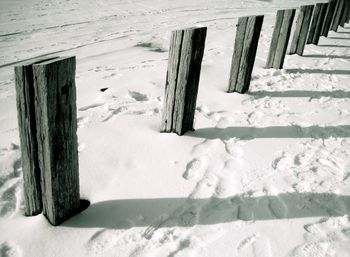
x=184 y=66
x=301 y=30
x=337 y=15
x=27 y=132
x=56 y=121
x=328 y=18
x=280 y=38
x=246 y=44
x=317 y=23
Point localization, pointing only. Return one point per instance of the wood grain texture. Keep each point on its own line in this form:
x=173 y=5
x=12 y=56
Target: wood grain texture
x=319 y=23
x=243 y=59
x=301 y=30
x=274 y=40
x=337 y=15
x=237 y=52
x=27 y=131
x=181 y=89
x=56 y=120
x=345 y=13
x=328 y=18
x=254 y=26
x=314 y=23
x=281 y=35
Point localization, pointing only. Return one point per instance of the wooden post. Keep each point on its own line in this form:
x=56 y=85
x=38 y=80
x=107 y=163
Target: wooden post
x=328 y=18
x=317 y=23
x=27 y=133
x=337 y=15
x=246 y=44
x=280 y=38
x=184 y=66
x=345 y=13
x=301 y=30
x=56 y=121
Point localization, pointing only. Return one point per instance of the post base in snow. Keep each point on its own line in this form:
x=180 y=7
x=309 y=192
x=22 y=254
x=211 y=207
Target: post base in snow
x=181 y=89
x=243 y=58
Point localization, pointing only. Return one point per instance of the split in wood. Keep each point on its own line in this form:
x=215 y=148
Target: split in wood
x=246 y=44
x=280 y=38
x=46 y=102
x=317 y=23
x=181 y=89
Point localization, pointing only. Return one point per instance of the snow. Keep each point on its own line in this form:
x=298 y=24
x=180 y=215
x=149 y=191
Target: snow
x=264 y=174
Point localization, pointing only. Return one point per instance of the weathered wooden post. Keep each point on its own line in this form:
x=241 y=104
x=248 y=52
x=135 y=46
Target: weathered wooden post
x=280 y=38
x=337 y=15
x=345 y=13
x=246 y=44
x=317 y=23
x=27 y=133
x=301 y=30
x=328 y=18
x=56 y=125
x=184 y=66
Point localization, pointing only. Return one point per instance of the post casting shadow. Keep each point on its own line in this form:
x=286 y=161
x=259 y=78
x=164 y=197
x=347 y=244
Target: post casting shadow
x=339 y=72
x=300 y=93
x=184 y=212
x=248 y=133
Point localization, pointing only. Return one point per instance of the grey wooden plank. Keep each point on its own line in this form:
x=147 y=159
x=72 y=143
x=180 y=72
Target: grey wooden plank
x=250 y=45
x=274 y=40
x=184 y=65
x=328 y=18
x=319 y=24
x=337 y=15
x=314 y=23
x=305 y=30
x=297 y=30
x=171 y=80
x=284 y=38
x=345 y=12
x=237 y=53
x=25 y=100
x=56 y=120
x=301 y=29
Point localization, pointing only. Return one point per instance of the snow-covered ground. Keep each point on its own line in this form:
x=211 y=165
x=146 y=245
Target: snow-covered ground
x=264 y=174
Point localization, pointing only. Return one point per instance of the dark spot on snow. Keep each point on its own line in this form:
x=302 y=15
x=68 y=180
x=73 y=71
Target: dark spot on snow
x=103 y=89
x=151 y=46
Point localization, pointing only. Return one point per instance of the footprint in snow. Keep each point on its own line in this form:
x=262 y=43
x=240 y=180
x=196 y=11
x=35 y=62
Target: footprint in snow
x=327 y=237
x=195 y=168
x=139 y=97
x=262 y=247
x=8 y=249
x=246 y=242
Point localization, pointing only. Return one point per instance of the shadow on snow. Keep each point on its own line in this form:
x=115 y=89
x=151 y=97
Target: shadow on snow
x=184 y=212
